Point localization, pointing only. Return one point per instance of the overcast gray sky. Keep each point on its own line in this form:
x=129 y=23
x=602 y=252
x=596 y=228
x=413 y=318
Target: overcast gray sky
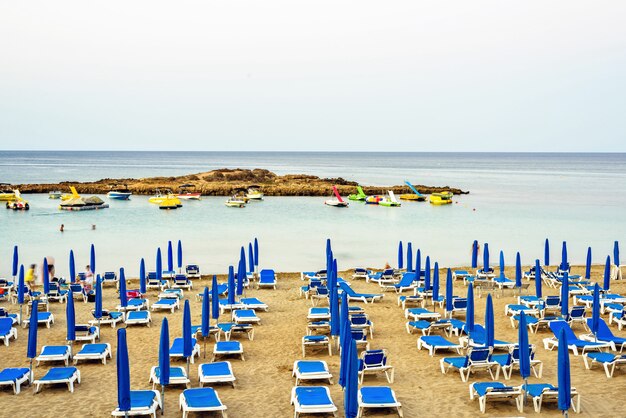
x=404 y=75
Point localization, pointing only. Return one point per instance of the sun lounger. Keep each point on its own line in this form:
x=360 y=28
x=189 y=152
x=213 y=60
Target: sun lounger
x=192 y=271
x=253 y=303
x=510 y=361
x=85 y=332
x=226 y=348
x=407 y=282
x=229 y=329
x=56 y=375
x=318 y=326
x=573 y=343
x=488 y=391
x=15 y=377
x=420 y=313
x=153 y=283
x=459 y=306
x=201 y=400
x=55 y=294
x=42 y=318
x=135 y=304
x=166 y=304
x=94 y=352
x=478 y=338
x=475 y=360
x=172 y=294
x=245 y=316
x=142 y=402
x=605 y=336
x=607 y=360
x=363 y=297
x=178 y=376
x=14 y=317
x=267 y=278
x=55 y=353
x=362 y=321
x=319 y=294
x=436 y=342
x=316 y=341
x=312 y=400
x=182 y=282
x=385 y=277
x=377 y=397
x=577 y=316
x=412 y=300
x=218 y=372
x=373 y=362
x=542 y=392
x=213 y=330
x=138 y=318
x=311 y=370
x=318 y=314
x=108 y=317
x=7 y=331
x=176 y=350
x=426 y=327
x=460 y=274
x=361 y=273
x=225 y=306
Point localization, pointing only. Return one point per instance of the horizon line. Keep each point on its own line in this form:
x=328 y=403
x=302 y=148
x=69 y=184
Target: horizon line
x=317 y=151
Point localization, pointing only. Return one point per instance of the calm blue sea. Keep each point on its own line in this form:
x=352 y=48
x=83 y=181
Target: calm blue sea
x=516 y=201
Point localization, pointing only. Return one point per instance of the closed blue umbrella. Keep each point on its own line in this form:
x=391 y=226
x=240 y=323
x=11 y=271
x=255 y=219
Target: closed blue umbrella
x=179 y=258
x=256 y=254
x=31 y=349
x=123 y=372
x=607 y=273
x=489 y=324
x=328 y=247
x=335 y=323
x=250 y=258
x=486 y=257
x=20 y=290
x=564 y=263
x=588 y=264
x=164 y=360
x=170 y=256
x=123 y=294
x=538 y=279
x=206 y=317
x=143 y=288
x=449 y=291
x=595 y=311
x=565 y=296
x=469 y=313
x=71 y=320
x=242 y=257
x=231 y=285
x=351 y=404
x=46 y=277
x=563 y=372
x=501 y=264
x=409 y=257
x=475 y=254
x=616 y=253
x=546 y=253
x=97 y=313
x=215 y=302
x=436 y=283
x=159 y=264
x=187 y=340
x=241 y=276
x=524 y=352
x=427 y=274
x=92 y=259
x=72 y=267
x=518 y=271
x=16 y=260
x=418 y=264
x=400 y=256
x=346 y=341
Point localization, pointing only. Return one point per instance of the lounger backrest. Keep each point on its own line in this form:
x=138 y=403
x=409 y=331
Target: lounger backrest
x=557 y=326
x=5 y=325
x=267 y=275
x=322 y=290
x=373 y=358
x=3 y=312
x=577 y=312
x=76 y=288
x=346 y=288
x=315 y=283
x=152 y=275
x=388 y=273
x=479 y=355
x=358 y=334
x=604 y=332
x=109 y=275
x=192 y=269
x=360 y=271
x=459 y=303
x=359 y=319
x=180 y=278
x=553 y=301
x=407 y=279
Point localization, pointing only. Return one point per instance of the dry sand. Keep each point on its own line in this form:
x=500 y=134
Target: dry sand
x=264 y=378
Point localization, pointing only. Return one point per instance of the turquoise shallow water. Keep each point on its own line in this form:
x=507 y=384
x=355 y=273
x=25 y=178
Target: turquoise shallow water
x=516 y=201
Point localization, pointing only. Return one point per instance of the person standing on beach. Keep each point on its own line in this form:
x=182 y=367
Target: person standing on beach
x=88 y=284
x=31 y=277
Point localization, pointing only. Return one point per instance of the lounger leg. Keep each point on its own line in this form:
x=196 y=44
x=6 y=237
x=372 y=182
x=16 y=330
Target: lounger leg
x=400 y=414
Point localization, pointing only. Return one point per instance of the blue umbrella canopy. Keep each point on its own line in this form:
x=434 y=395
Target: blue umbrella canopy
x=501 y=264
x=242 y=257
x=418 y=264
x=616 y=253
x=72 y=267
x=328 y=247
x=427 y=274
x=564 y=263
x=170 y=256
x=486 y=257
x=351 y=403
x=206 y=313
x=46 y=277
x=400 y=256
x=524 y=352
x=469 y=314
x=179 y=254
x=518 y=270
x=345 y=341
x=563 y=372
x=588 y=264
x=546 y=253
x=164 y=354
x=71 y=319
x=449 y=291
x=607 y=273
x=256 y=253
x=565 y=296
x=215 y=302
x=241 y=276
x=409 y=257
x=98 y=305
x=436 y=282
x=20 y=286
x=31 y=349
x=475 y=254
x=231 y=285
x=489 y=322
x=92 y=259
x=595 y=311
x=16 y=261
x=123 y=295
x=159 y=264
x=250 y=258
x=538 y=279
x=335 y=323
x=187 y=341
x=143 y=288
x=123 y=372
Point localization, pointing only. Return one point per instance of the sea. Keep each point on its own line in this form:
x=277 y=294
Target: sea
x=516 y=202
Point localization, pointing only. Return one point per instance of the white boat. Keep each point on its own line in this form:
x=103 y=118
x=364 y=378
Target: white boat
x=254 y=193
x=119 y=193
x=161 y=196
x=187 y=192
x=235 y=203
x=338 y=201
x=54 y=194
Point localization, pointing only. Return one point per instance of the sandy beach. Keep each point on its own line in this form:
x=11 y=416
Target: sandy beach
x=264 y=379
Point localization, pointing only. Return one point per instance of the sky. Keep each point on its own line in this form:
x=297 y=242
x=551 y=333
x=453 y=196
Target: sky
x=274 y=75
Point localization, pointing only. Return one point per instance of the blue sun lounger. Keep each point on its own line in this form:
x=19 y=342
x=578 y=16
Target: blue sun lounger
x=245 y=316
x=218 y=372
x=312 y=400
x=182 y=282
x=225 y=306
x=267 y=278
x=56 y=375
x=166 y=304
x=98 y=351
x=510 y=361
x=192 y=271
x=108 y=317
x=605 y=336
x=316 y=341
x=253 y=303
x=138 y=318
x=178 y=376
x=374 y=362
x=421 y=313
x=213 y=330
x=7 y=331
x=478 y=338
x=377 y=397
x=486 y=391
x=318 y=313
x=226 y=348
x=15 y=377
x=230 y=328
x=476 y=359
x=154 y=283
x=407 y=282
x=609 y=361
x=362 y=297
x=311 y=370
x=134 y=304
x=42 y=318
x=142 y=402
x=541 y=392
x=55 y=353
x=573 y=343
x=436 y=342
x=201 y=400
x=176 y=350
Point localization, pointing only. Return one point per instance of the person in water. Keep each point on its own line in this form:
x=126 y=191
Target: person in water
x=62 y=228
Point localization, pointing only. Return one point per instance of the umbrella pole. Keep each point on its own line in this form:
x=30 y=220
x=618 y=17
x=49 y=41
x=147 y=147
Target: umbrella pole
x=187 y=366
x=31 y=370
x=525 y=391
x=98 y=329
x=163 y=399
x=205 y=338
x=21 y=305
